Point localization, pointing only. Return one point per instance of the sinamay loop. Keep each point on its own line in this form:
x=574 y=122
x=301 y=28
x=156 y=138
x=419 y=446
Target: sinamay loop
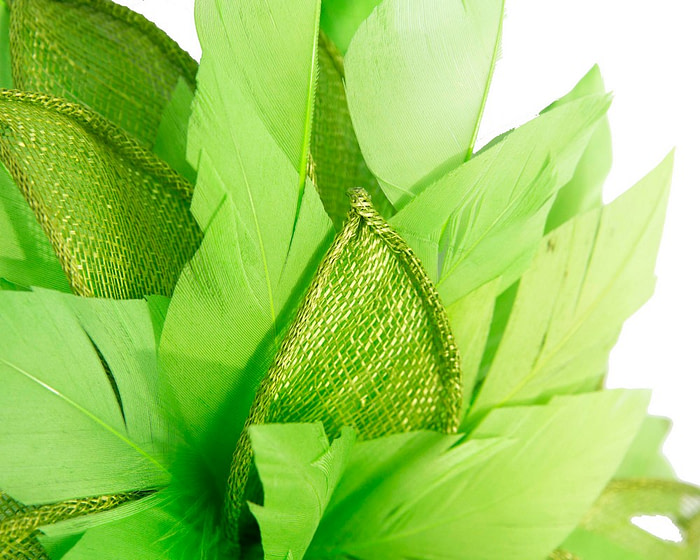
x=370 y=348
x=623 y=499
x=117 y=217
x=55 y=44
x=19 y=523
x=27 y=547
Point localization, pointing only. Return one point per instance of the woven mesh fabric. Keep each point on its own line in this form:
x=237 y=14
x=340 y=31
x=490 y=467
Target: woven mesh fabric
x=338 y=165
x=99 y=54
x=19 y=523
x=25 y=548
x=370 y=348
x=623 y=499
x=117 y=217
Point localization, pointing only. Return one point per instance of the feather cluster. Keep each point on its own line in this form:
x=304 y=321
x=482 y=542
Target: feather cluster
x=277 y=305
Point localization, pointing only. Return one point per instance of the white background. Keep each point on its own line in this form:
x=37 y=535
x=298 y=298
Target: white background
x=648 y=52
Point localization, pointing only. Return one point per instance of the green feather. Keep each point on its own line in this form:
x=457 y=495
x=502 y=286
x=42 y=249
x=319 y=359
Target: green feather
x=585 y=189
x=171 y=141
x=341 y=18
x=299 y=470
x=417 y=74
x=62 y=431
x=485 y=219
x=249 y=137
x=496 y=495
x=587 y=278
x=26 y=255
x=143 y=535
x=645 y=457
x=470 y=317
x=581 y=193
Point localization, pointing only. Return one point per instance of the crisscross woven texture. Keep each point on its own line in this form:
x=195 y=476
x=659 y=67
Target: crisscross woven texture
x=99 y=54
x=338 y=164
x=19 y=523
x=117 y=217
x=27 y=547
x=370 y=347
x=624 y=499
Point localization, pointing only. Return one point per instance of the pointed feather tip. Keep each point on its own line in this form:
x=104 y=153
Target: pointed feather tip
x=590 y=84
x=658 y=179
x=594 y=76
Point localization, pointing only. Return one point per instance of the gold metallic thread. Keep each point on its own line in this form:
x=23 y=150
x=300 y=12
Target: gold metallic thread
x=117 y=217
x=19 y=523
x=370 y=348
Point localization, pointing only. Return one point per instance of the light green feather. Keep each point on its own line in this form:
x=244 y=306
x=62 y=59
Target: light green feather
x=497 y=495
x=26 y=255
x=249 y=136
x=341 y=18
x=485 y=219
x=299 y=470
x=417 y=74
x=587 y=278
x=585 y=189
x=62 y=433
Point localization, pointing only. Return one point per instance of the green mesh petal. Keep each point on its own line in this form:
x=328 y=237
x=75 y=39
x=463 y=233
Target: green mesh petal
x=610 y=519
x=19 y=524
x=24 y=547
x=117 y=217
x=99 y=54
x=370 y=347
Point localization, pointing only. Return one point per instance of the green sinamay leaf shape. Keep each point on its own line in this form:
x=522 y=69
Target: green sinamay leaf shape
x=485 y=219
x=299 y=470
x=19 y=524
x=63 y=434
x=101 y=55
x=588 y=277
x=607 y=530
x=417 y=74
x=584 y=191
x=116 y=216
x=26 y=255
x=509 y=505
x=262 y=241
x=338 y=165
x=370 y=347
x=26 y=547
